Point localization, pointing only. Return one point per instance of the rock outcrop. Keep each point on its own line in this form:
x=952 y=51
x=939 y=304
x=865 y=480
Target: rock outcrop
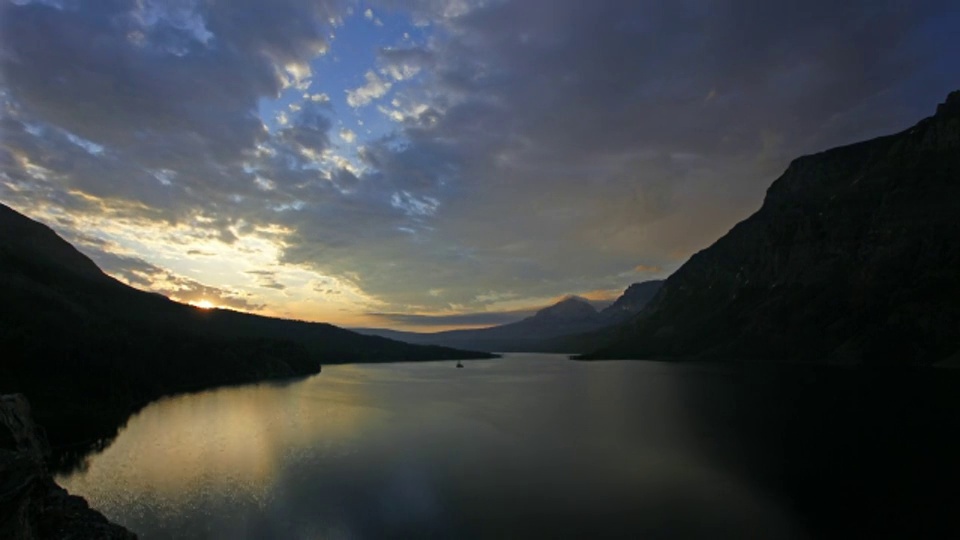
x=32 y=505
x=853 y=258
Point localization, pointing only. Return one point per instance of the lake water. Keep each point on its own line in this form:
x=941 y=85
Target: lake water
x=539 y=446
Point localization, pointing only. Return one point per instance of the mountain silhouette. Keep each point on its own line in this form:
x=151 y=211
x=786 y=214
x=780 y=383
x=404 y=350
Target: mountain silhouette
x=853 y=258
x=545 y=331
x=87 y=350
x=632 y=301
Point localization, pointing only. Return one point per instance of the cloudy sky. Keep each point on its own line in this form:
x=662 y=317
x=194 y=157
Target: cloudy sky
x=424 y=164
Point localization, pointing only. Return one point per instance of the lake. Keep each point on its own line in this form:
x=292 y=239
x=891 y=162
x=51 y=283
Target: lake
x=536 y=445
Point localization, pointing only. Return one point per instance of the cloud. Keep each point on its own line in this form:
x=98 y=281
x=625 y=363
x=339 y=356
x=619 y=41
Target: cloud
x=307 y=132
x=561 y=148
x=647 y=269
x=347 y=135
x=153 y=86
x=140 y=274
x=538 y=147
x=267 y=279
x=425 y=322
x=297 y=75
x=430 y=322
x=319 y=97
x=162 y=95
x=374 y=88
x=404 y=63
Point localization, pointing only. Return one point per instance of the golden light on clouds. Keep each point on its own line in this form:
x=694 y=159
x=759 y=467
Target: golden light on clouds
x=647 y=269
x=601 y=295
x=255 y=184
x=191 y=262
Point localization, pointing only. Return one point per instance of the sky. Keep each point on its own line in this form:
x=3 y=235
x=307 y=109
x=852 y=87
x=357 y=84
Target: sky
x=431 y=164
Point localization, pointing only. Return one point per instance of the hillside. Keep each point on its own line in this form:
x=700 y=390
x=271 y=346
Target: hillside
x=87 y=350
x=853 y=258
x=632 y=301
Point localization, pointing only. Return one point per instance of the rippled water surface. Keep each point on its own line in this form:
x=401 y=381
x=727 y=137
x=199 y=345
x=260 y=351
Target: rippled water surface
x=536 y=445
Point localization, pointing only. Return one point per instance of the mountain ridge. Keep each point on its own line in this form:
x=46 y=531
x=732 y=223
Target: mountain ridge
x=68 y=331
x=852 y=258
x=550 y=329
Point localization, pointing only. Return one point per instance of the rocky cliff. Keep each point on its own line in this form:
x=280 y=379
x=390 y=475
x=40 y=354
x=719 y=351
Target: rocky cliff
x=853 y=258
x=32 y=505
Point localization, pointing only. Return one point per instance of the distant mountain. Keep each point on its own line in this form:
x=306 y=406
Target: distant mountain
x=571 y=309
x=87 y=350
x=571 y=315
x=542 y=331
x=854 y=257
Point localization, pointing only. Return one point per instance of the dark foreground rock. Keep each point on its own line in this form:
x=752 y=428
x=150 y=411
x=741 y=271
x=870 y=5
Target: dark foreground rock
x=32 y=505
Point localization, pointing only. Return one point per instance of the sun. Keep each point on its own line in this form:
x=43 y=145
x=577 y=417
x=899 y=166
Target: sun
x=203 y=304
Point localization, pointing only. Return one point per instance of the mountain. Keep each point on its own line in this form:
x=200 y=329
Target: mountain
x=633 y=300
x=545 y=331
x=853 y=258
x=88 y=350
x=571 y=315
x=571 y=309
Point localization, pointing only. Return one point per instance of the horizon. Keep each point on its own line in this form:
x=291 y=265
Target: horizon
x=422 y=166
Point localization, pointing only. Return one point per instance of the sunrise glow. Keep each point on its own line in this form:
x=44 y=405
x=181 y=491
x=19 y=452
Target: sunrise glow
x=379 y=163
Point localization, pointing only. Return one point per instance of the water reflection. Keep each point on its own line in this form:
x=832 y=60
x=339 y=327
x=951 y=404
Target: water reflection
x=530 y=445
x=231 y=440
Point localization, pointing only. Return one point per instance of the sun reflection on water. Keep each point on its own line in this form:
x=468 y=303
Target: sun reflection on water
x=229 y=440
x=415 y=450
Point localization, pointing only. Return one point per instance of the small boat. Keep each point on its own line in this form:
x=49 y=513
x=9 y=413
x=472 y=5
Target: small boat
x=459 y=365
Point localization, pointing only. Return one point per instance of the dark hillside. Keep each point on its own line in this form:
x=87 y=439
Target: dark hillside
x=87 y=350
x=854 y=258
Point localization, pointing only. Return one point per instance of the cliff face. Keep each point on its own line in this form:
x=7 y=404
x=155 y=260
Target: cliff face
x=854 y=257
x=32 y=505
